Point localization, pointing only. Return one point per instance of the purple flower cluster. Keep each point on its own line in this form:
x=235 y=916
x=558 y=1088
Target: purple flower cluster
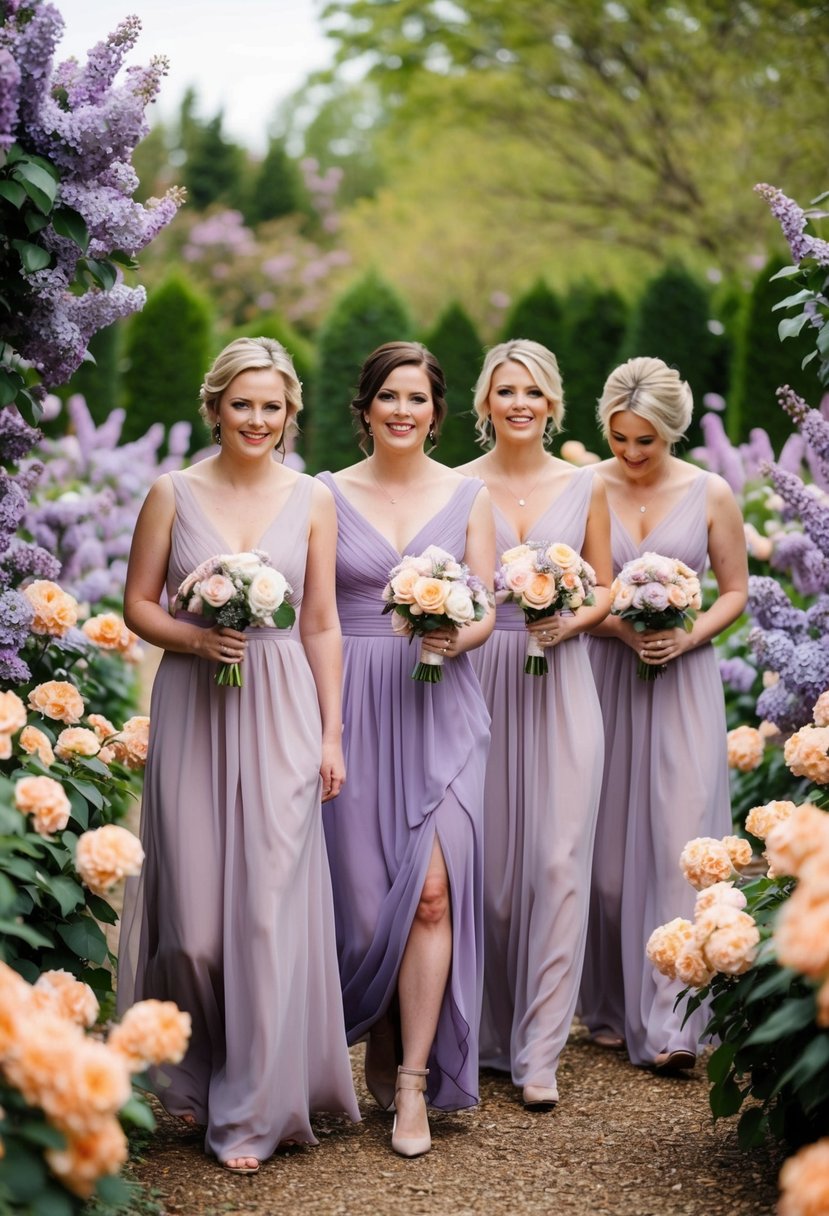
x=88 y=129
x=737 y=673
x=814 y=427
x=813 y=513
x=793 y=221
x=808 y=567
x=771 y=608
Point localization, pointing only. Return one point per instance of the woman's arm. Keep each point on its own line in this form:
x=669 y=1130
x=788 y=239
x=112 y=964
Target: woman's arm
x=146 y=575
x=480 y=557
x=319 y=628
x=595 y=551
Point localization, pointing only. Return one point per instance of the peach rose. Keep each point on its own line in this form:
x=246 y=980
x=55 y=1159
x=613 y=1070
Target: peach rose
x=540 y=591
x=705 y=861
x=769 y=730
x=15 y=1000
x=71 y=998
x=801 y=935
x=821 y=710
x=108 y=632
x=677 y=596
x=807 y=753
x=621 y=596
x=12 y=713
x=131 y=743
x=151 y=1032
x=35 y=743
x=402 y=585
x=429 y=594
x=731 y=947
x=804 y=1182
x=77 y=741
x=739 y=850
x=55 y=611
x=691 y=968
x=102 y=726
x=87 y=1157
x=57 y=699
x=823 y=1004
x=719 y=893
x=38 y=1062
x=5 y=747
x=745 y=748
x=106 y=855
x=793 y=840
x=45 y=800
x=761 y=819
x=665 y=943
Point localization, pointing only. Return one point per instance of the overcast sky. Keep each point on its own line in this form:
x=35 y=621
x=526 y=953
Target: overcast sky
x=242 y=55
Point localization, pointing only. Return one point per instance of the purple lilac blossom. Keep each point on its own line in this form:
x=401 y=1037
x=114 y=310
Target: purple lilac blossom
x=813 y=426
x=771 y=608
x=17 y=438
x=793 y=220
x=817 y=615
x=16 y=615
x=813 y=514
x=786 y=709
x=9 y=85
x=809 y=569
x=773 y=648
x=13 y=669
x=737 y=673
x=22 y=560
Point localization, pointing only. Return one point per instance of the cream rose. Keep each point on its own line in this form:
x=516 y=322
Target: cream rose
x=459 y=605
x=245 y=564
x=266 y=592
x=677 y=596
x=517 y=553
x=732 y=948
x=562 y=555
x=216 y=590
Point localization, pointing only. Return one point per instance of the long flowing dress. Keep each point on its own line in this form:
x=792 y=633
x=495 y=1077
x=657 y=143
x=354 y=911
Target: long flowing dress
x=540 y=805
x=233 y=916
x=415 y=756
x=665 y=782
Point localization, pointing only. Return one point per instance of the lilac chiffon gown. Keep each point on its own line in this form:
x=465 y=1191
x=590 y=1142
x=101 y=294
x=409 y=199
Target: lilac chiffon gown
x=540 y=804
x=665 y=782
x=415 y=756
x=232 y=917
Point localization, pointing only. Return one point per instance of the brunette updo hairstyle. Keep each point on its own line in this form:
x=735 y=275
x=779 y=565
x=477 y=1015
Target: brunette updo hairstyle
x=654 y=391
x=375 y=372
x=542 y=365
x=244 y=355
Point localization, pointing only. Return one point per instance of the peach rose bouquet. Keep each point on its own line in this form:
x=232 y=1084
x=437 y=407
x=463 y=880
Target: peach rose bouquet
x=236 y=590
x=543 y=579
x=433 y=591
x=655 y=592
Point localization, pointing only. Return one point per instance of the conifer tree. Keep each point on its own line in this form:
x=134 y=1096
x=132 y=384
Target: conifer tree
x=459 y=350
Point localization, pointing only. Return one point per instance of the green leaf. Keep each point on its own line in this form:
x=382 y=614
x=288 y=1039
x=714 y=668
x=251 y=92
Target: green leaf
x=54 y=1201
x=788 y=272
x=123 y=259
x=32 y=257
x=68 y=894
x=90 y=792
x=70 y=223
x=8 y=893
x=719 y=1065
x=101 y=910
x=138 y=1112
x=35 y=222
x=116 y=1192
x=284 y=616
x=809 y=1064
x=40 y=185
x=780 y=981
x=726 y=1099
x=790 y=327
x=85 y=939
x=80 y=810
x=13 y=192
x=752 y=1128
x=823 y=340
x=800 y=297
x=791 y=1016
x=25 y=933
x=19 y=867
x=42 y=1134
x=95 y=766
x=10 y=385
x=808 y=359
x=102 y=272
x=22 y=1173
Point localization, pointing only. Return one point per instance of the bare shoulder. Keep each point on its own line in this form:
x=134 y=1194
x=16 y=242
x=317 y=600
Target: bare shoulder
x=161 y=493
x=719 y=491
x=473 y=468
x=352 y=475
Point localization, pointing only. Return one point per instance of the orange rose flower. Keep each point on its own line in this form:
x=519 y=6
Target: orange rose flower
x=151 y=1032
x=57 y=699
x=55 y=611
x=106 y=855
x=35 y=743
x=45 y=800
x=77 y=741
x=12 y=713
x=109 y=632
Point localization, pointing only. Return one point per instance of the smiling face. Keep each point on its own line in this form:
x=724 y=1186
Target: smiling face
x=252 y=412
x=402 y=411
x=635 y=443
x=517 y=407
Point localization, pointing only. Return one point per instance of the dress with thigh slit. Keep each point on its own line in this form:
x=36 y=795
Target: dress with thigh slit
x=415 y=756
x=232 y=917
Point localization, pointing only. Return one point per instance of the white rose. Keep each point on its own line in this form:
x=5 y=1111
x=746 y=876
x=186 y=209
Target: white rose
x=266 y=592
x=241 y=563
x=459 y=605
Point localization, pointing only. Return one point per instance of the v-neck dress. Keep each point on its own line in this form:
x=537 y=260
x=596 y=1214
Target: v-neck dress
x=232 y=917
x=415 y=757
x=540 y=805
x=665 y=782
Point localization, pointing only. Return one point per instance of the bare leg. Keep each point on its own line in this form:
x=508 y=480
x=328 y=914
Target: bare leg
x=424 y=973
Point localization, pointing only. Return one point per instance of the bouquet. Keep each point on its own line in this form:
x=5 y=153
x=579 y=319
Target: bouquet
x=542 y=579
x=655 y=592
x=236 y=590
x=430 y=592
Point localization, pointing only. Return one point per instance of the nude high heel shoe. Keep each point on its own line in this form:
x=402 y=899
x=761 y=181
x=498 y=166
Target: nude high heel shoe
x=410 y=1146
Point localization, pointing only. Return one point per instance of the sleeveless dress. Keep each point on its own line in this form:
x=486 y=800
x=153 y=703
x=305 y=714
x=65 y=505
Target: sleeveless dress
x=665 y=782
x=232 y=917
x=540 y=804
x=415 y=756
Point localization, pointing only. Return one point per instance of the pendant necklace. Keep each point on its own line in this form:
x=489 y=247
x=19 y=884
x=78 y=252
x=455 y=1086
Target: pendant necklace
x=384 y=491
x=522 y=501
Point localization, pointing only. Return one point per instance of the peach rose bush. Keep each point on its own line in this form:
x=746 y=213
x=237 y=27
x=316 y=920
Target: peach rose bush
x=542 y=579
x=433 y=591
x=757 y=954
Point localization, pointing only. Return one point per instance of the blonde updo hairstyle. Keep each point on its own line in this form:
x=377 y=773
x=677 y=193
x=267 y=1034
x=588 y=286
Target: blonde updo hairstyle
x=652 y=390
x=542 y=365
x=244 y=355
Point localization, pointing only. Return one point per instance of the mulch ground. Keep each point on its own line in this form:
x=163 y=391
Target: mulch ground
x=622 y=1142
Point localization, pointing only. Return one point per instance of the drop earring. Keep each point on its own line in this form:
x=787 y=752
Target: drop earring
x=217 y=433
x=432 y=437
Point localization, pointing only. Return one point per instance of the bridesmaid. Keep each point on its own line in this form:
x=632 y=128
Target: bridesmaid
x=233 y=915
x=665 y=777
x=545 y=760
x=404 y=837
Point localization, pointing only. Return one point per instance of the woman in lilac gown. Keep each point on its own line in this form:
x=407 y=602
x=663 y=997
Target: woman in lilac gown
x=665 y=777
x=404 y=837
x=544 y=771
x=232 y=918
